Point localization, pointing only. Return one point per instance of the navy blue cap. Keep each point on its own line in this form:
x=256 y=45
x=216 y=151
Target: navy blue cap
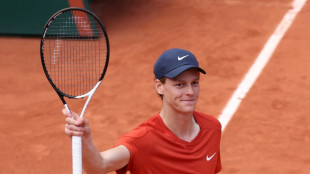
x=175 y=61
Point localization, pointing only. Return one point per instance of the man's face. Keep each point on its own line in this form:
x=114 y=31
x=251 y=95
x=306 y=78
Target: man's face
x=181 y=93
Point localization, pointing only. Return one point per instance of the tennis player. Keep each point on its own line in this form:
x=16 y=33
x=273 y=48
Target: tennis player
x=176 y=140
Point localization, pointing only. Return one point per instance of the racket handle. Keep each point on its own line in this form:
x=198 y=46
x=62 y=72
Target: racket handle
x=77 y=154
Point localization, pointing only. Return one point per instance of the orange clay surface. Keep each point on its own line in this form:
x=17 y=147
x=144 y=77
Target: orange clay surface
x=269 y=133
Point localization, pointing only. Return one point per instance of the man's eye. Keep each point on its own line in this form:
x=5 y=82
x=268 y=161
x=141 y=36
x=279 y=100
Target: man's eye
x=179 y=84
x=195 y=82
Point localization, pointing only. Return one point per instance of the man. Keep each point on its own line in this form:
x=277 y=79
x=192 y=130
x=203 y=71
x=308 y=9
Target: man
x=176 y=140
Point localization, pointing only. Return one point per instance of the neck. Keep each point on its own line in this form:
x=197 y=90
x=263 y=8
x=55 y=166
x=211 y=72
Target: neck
x=182 y=125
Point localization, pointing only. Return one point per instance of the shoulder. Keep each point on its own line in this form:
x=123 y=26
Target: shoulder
x=207 y=121
x=144 y=128
x=141 y=133
x=141 y=139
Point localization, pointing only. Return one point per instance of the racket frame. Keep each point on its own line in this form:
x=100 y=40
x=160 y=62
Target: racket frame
x=76 y=140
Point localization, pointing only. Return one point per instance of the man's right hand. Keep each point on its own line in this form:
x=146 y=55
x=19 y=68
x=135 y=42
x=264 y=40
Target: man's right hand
x=76 y=126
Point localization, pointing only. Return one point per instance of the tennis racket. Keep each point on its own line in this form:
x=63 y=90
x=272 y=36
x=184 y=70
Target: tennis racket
x=75 y=54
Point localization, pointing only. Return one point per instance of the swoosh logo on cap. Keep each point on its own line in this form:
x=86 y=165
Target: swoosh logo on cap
x=183 y=57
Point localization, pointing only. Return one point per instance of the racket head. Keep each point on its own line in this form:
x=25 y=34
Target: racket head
x=74 y=51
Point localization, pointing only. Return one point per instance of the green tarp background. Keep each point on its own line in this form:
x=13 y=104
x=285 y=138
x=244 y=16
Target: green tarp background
x=28 y=17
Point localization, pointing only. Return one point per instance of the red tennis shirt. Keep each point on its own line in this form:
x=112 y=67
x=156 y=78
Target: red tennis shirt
x=154 y=149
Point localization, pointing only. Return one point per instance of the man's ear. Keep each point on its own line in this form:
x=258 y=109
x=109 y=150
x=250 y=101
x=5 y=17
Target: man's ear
x=158 y=86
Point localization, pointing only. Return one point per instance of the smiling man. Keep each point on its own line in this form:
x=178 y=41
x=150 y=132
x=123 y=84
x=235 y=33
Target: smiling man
x=176 y=140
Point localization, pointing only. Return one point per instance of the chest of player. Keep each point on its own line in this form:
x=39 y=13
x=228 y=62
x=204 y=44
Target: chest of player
x=166 y=153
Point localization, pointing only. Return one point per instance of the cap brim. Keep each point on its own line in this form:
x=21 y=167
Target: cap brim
x=181 y=69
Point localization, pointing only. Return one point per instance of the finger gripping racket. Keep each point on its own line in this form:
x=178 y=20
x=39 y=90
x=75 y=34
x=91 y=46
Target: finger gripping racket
x=75 y=54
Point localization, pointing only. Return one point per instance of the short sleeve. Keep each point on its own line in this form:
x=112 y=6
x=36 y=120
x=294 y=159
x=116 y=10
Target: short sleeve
x=127 y=142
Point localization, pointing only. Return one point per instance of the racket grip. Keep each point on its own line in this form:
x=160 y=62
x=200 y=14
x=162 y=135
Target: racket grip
x=77 y=155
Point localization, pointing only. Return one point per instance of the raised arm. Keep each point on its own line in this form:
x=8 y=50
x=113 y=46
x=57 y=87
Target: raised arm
x=93 y=160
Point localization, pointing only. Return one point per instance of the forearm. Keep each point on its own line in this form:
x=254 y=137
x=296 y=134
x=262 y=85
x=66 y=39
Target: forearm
x=103 y=162
x=92 y=159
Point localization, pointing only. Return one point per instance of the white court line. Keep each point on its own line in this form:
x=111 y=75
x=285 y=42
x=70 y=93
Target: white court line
x=259 y=64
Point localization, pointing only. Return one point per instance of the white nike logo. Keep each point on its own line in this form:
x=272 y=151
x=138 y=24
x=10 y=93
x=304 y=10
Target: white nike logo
x=181 y=58
x=209 y=158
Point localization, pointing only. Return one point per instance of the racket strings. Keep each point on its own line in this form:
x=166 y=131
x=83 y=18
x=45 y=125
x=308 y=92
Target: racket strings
x=75 y=52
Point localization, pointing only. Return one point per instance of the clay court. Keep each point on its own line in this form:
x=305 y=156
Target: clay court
x=269 y=133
